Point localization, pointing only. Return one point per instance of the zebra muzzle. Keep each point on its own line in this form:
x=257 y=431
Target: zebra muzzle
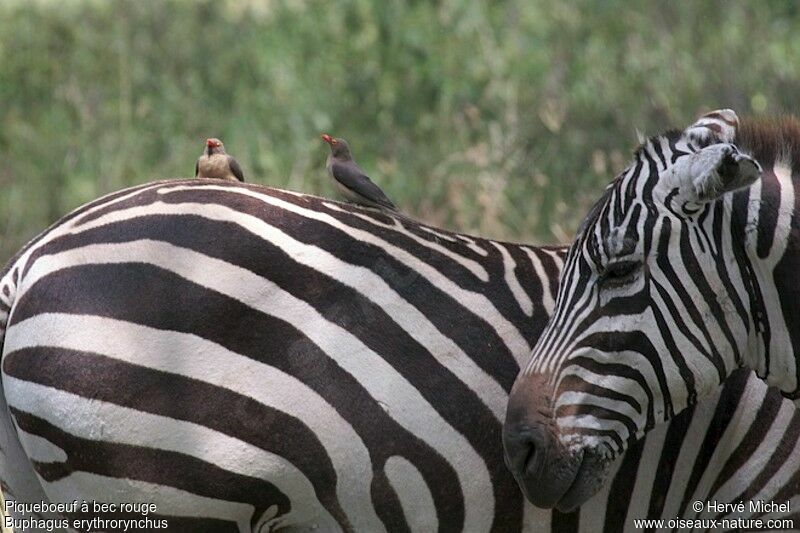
x=544 y=470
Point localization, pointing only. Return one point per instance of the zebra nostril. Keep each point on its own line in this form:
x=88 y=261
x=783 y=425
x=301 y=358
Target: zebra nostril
x=523 y=450
x=543 y=474
x=526 y=435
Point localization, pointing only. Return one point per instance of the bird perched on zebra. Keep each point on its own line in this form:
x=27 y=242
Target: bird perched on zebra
x=350 y=180
x=216 y=164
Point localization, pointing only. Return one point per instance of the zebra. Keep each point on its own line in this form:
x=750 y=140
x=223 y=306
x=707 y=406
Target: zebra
x=251 y=359
x=679 y=274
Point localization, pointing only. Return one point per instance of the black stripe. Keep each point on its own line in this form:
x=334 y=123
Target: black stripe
x=572 y=382
x=656 y=144
x=722 y=261
x=768 y=210
x=726 y=407
x=707 y=295
x=161 y=467
x=785 y=276
x=565 y=522
x=670 y=451
x=752 y=439
x=621 y=489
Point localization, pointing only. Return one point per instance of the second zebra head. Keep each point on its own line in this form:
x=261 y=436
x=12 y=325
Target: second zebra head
x=663 y=294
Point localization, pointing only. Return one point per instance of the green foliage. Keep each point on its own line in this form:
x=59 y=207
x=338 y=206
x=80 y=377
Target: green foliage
x=502 y=118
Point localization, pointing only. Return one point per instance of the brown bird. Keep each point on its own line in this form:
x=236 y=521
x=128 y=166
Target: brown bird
x=216 y=164
x=350 y=180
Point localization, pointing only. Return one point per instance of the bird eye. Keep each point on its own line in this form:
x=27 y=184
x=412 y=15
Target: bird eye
x=619 y=273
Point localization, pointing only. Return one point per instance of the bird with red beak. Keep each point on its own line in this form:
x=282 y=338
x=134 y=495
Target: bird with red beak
x=214 y=163
x=350 y=180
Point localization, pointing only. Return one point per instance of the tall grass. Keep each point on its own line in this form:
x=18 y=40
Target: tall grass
x=500 y=118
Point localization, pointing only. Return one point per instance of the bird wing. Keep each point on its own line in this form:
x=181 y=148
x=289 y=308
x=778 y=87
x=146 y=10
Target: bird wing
x=197 y=167
x=352 y=177
x=236 y=169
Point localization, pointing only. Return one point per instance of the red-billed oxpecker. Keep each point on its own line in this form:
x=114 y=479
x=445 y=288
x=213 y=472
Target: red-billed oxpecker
x=350 y=180
x=216 y=164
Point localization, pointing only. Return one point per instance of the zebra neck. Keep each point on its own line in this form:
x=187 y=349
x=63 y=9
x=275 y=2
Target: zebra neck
x=772 y=244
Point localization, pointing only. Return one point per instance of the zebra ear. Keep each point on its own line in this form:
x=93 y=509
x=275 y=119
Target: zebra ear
x=715 y=170
x=715 y=127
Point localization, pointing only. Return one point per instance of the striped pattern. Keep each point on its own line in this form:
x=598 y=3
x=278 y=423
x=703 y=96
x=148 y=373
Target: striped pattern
x=681 y=273
x=254 y=359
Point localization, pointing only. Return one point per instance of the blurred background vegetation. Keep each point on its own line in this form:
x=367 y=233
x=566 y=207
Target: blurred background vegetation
x=504 y=119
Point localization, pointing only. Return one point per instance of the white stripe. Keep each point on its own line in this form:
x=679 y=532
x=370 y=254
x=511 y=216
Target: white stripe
x=742 y=479
x=646 y=473
x=509 y=265
x=547 y=295
x=586 y=398
x=783 y=361
x=593 y=512
x=437 y=234
x=535 y=519
x=412 y=491
x=744 y=417
x=476 y=269
x=783 y=226
x=471 y=244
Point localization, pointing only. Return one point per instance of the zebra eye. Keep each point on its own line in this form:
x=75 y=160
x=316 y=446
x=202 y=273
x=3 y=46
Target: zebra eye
x=619 y=273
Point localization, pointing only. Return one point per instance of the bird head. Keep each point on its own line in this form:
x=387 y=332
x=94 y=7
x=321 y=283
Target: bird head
x=339 y=148
x=214 y=146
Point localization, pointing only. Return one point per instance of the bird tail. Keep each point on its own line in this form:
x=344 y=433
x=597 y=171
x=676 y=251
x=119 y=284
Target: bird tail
x=401 y=216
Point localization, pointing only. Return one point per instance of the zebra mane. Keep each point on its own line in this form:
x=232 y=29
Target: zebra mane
x=671 y=135
x=597 y=208
x=771 y=140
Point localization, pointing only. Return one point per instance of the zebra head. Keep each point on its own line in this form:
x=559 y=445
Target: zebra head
x=644 y=323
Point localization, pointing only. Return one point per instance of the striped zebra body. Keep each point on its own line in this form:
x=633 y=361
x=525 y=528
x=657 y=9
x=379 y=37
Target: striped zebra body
x=684 y=271
x=254 y=359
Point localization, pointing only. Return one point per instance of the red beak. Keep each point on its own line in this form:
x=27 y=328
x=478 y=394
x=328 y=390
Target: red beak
x=327 y=138
x=210 y=143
